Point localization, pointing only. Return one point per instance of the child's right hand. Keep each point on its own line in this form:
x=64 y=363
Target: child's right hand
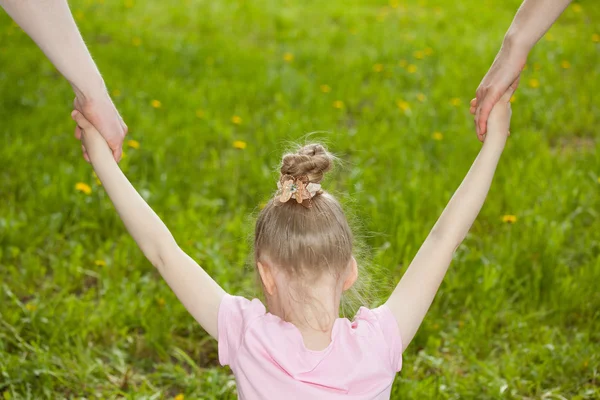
x=91 y=139
x=498 y=123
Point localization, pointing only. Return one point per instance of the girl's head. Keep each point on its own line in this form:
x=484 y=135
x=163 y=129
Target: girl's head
x=303 y=249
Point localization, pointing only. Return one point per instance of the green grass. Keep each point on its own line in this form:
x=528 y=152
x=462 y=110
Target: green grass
x=517 y=316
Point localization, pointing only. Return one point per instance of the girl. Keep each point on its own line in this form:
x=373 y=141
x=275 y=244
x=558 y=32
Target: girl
x=300 y=348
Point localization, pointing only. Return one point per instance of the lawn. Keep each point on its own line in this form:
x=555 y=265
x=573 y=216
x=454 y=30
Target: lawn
x=213 y=93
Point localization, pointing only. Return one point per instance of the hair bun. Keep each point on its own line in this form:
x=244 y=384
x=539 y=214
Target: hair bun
x=312 y=160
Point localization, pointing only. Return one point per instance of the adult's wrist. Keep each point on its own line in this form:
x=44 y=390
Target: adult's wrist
x=516 y=45
x=93 y=88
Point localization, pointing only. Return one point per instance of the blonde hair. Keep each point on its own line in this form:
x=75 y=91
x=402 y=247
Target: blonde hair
x=305 y=242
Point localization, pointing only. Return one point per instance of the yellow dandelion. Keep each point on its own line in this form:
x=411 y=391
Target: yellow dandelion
x=199 y=113
x=419 y=54
x=403 y=105
x=179 y=397
x=437 y=136
x=403 y=63
x=240 y=144
x=134 y=144
x=129 y=3
x=421 y=97
x=513 y=98
x=79 y=15
x=100 y=263
x=509 y=219
x=596 y=38
x=288 y=57
x=160 y=301
x=123 y=155
x=325 y=88
x=394 y=3
x=577 y=8
x=411 y=68
x=83 y=188
x=378 y=67
x=156 y=104
x=534 y=83
x=236 y=120
x=136 y=41
x=428 y=51
x=338 y=104
x=549 y=37
x=30 y=306
x=565 y=64
x=116 y=93
x=455 y=101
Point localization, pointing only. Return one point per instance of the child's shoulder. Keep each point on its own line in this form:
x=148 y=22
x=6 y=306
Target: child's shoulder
x=379 y=319
x=241 y=307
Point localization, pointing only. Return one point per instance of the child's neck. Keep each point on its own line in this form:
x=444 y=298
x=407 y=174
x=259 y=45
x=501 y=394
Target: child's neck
x=313 y=313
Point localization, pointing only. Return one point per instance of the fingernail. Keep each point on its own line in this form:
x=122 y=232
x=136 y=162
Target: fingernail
x=73 y=113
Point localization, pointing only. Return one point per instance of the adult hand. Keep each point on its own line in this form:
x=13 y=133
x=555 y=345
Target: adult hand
x=101 y=112
x=502 y=78
x=498 y=123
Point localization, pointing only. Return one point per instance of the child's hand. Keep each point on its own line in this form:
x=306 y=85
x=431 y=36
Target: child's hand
x=498 y=123
x=92 y=141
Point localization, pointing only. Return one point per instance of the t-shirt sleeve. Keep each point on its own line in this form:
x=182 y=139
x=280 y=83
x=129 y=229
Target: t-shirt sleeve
x=235 y=315
x=389 y=327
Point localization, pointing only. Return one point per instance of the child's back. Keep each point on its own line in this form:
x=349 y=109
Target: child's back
x=270 y=360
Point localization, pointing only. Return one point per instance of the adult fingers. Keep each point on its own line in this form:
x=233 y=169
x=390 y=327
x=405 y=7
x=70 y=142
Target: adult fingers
x=118 y=153
x=511 y=89
x=480 y=95
x=85 y=154
x=485 y=107
x=482 y=114
x=117 y=148
x=77 y=132
x=473 y=106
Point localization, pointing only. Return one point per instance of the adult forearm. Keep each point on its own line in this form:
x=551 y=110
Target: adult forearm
x=532 y=21
x=50 y=24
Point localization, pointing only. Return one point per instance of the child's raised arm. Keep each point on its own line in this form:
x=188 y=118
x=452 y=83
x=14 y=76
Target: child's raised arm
x=198 y=292
x=414 y=294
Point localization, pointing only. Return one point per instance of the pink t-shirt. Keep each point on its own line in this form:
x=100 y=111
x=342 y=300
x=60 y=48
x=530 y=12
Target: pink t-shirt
x=269 y=360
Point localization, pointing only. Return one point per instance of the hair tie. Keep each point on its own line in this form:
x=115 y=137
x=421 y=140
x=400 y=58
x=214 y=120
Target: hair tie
x=297 y=187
